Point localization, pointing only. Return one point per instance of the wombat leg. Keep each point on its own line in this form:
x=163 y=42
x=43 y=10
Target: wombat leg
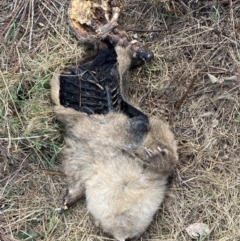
x=94 y=221
x=72 y=196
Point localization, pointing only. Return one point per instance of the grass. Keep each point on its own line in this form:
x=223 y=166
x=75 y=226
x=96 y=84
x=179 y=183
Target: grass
x=191 y=39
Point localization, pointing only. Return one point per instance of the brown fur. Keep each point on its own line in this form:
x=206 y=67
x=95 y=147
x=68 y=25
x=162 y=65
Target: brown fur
x=124 y=181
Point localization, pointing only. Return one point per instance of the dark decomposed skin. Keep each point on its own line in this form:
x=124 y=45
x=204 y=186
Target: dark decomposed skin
x=120 y=164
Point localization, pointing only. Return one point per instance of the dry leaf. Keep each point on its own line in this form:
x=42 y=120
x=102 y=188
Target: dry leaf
x=212 y=78
x=215 y=123
x=234 y=78
x=197 y=230
x=230 y=79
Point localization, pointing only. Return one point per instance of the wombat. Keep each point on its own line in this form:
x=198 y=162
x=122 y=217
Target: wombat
x=120 y=164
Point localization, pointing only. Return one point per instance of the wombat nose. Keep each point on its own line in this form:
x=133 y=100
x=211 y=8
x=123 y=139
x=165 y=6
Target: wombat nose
x=144 y=55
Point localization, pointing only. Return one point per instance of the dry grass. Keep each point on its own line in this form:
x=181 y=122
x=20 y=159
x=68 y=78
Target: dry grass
x=193 y=39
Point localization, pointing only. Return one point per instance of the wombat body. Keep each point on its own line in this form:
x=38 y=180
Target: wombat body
x=119 y=165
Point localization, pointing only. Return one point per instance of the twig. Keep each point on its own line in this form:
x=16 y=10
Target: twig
x=53 y=173
x=19 y=138
x=179 y=103
x=145 y=31
x=31 y=5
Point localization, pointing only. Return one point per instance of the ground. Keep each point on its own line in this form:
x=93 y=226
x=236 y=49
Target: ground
x=191 y=39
